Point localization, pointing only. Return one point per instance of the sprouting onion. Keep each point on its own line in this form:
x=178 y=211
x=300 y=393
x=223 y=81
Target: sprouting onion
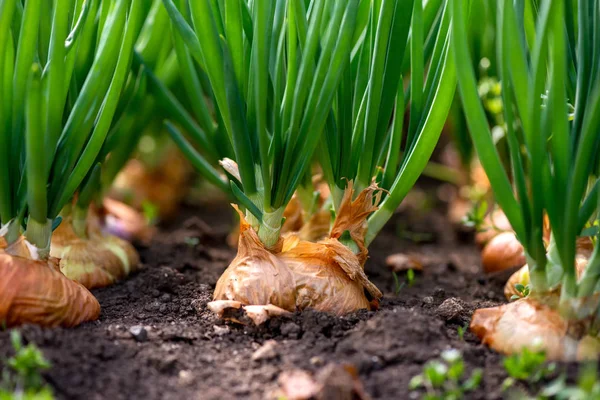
x=60 y=89
x=294 y=82
x=548 y=65
x=361 y=143
x=88 y=242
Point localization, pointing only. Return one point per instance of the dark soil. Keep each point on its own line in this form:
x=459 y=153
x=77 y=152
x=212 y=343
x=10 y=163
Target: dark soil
x=189 y=354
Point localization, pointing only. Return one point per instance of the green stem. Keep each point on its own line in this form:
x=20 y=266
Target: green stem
x=39 y=234
x=591 y=276
x=79 y=221
x=270 y=227
x=537 y=276
x=12 y=230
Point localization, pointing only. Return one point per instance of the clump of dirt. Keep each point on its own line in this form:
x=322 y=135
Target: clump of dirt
x=156 y=339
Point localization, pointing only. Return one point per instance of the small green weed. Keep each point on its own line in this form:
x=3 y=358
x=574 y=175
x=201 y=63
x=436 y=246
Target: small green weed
x=461 y=331
x=150 y=211
x=444 y=379
x=523 y=291
x=527 y=366
x=21 y=378
x=476 y=216
x=410 y=280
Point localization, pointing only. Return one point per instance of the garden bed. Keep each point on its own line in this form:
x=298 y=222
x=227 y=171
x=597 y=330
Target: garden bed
x=185 y=352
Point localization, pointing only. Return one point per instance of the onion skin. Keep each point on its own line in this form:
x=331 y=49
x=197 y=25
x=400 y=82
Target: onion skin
x=98 y=260
x=519 y=277
x=164 y=185
x=36 y=292
x=527 y=323
x=494 y=224
x=584 y=251
x=317 y=227
x=256 y=276
x=503 y=252
x=298 y=274
x=121 y=220
x=294 y=216
x=328 y=276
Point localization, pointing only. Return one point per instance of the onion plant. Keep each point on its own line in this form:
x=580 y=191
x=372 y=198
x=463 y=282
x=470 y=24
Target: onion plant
x=367 y=138
x=270 y=119
x=551 y=92
x=294 y=82
x=155 y=180
x=64 y=66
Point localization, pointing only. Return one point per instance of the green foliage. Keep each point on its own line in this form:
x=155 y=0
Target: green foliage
x=523 y=291
x=445 y=379
x=476 y=216
x=586 y=388
x=530 y=367
x=21 y=379
x=410 y=280
x=544 y=67
x=397 y=284
x=461 y=330
x=527 y=366
x=150 y=211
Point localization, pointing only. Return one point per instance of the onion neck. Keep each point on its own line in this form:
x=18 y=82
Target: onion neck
x=270 y=227
x=537 y=276
x=12 y=231
x=79 y=221
x=39 y=234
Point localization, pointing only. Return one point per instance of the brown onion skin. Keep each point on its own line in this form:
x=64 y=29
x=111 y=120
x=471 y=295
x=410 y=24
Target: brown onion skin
x=503 y=252
x=36 y=292
x=529 y=323
x=256 y=276
x=494 y=224
x=97 y=260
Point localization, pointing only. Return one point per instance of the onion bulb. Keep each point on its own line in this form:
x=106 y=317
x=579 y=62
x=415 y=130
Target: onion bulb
x=163 y=185
x=121 y=220
x=36 y=292
x=520 y=277
x=504 y=251
x=584 y=251
x=99 y=259
x=326 y=275
x=493 y=224
x=527 y=323
x=256 y=276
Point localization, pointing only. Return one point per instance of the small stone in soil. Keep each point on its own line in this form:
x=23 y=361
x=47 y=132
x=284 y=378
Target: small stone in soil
x=139 y=333
x=450 y=309
x=317 y=361
x=428 y=300
x=165 y=298
x=185 y=377
x=266 y=352
x=221 y=330
x=291 y=330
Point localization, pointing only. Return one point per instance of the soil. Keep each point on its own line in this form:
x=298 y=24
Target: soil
x=182 y=351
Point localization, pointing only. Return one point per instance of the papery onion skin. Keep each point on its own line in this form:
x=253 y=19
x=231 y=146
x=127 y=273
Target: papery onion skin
x=96 y=261
x=328 y=276
x=584 y=251
x=503 y=252
x=527 y=323
x=317 y=227
x=494 y=224
x=256 y=276
x=164 y=185
x=519 y=277
x=123 y=221
x=36 y=292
